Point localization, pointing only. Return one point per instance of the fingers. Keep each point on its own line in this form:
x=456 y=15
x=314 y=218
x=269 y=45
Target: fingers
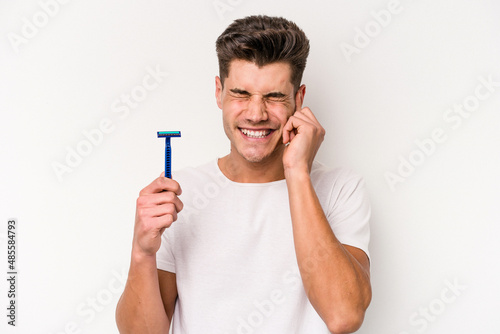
x=157 y=208
x=156 y=199
x=305 y=120
x=160 y=216
x=162 y=184
x=292 y=125
x=158 y=211
x=298 y=122
x=288 y=131
x=307 y=134
x=160 y=198
x=306 y=113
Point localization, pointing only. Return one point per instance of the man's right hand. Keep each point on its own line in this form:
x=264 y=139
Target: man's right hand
x=148 y=300
x=157 y=208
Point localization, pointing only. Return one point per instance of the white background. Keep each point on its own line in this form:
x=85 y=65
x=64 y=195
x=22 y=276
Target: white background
x=66 y=74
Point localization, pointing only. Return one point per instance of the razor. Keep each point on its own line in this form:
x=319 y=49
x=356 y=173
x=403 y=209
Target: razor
x=168 y=150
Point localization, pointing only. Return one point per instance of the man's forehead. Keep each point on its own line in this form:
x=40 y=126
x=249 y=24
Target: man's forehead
x=246 y=75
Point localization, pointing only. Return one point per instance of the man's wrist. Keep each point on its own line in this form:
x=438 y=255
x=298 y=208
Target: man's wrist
x=139 y=256
x=298 y=173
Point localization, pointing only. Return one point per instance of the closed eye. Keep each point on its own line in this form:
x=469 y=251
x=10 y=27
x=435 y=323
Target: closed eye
x=275 y=95
x=279 y=98
x=276 y=99
x=269 y=97
x=240 y=93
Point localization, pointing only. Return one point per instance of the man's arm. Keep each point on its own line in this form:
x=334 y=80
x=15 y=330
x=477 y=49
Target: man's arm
x=336 y=277
x=147 y=303
x=148 y=300
x=168 y=291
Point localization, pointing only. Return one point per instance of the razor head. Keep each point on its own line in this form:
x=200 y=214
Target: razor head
x=169 y=134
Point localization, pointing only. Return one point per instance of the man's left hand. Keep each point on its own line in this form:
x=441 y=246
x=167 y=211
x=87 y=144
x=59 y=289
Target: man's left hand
x=304 y=135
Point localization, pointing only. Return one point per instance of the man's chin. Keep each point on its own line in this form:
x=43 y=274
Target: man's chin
x=256 y=160
x=263 y=157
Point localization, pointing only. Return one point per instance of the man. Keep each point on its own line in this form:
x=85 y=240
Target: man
x=268 y=240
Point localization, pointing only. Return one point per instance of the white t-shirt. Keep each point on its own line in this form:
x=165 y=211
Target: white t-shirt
x=233 y=254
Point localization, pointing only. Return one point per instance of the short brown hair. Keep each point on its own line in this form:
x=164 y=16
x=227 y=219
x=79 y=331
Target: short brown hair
x=263 y=40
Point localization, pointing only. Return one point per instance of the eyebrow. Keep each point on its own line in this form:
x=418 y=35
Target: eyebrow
x=268 y=95
x=239 y=91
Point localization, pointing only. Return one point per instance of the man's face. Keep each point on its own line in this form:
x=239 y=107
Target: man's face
x=256 y=104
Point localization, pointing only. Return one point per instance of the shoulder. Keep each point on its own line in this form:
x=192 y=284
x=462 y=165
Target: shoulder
x=322 y=175
x=337 y=186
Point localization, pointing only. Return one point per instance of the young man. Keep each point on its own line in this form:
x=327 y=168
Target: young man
x=268 y=240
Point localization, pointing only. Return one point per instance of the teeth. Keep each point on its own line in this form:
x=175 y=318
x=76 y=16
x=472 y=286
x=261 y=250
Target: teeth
x=256 y=134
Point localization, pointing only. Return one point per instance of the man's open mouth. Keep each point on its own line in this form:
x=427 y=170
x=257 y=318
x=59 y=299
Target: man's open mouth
x=256 y=133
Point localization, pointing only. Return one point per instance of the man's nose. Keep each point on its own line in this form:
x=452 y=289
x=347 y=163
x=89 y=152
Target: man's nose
x=256 y=110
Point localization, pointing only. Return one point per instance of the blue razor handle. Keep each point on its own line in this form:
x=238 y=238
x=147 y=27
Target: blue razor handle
x=168 y=150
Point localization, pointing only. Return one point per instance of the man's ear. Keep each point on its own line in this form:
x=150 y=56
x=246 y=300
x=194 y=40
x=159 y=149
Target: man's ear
x=218 y=91
x=299 y=97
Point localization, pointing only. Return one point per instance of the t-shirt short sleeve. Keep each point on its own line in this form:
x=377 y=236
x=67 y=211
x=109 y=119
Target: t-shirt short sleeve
x=348 y=210
x=165 y=256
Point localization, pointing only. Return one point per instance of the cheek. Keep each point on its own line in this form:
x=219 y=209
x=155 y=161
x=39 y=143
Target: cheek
x=226 y=120
x=233 y=108
x=228 y=128
x=279 y=113
x=230 y=118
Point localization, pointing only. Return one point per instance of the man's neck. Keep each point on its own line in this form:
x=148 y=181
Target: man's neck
x=237 y=169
